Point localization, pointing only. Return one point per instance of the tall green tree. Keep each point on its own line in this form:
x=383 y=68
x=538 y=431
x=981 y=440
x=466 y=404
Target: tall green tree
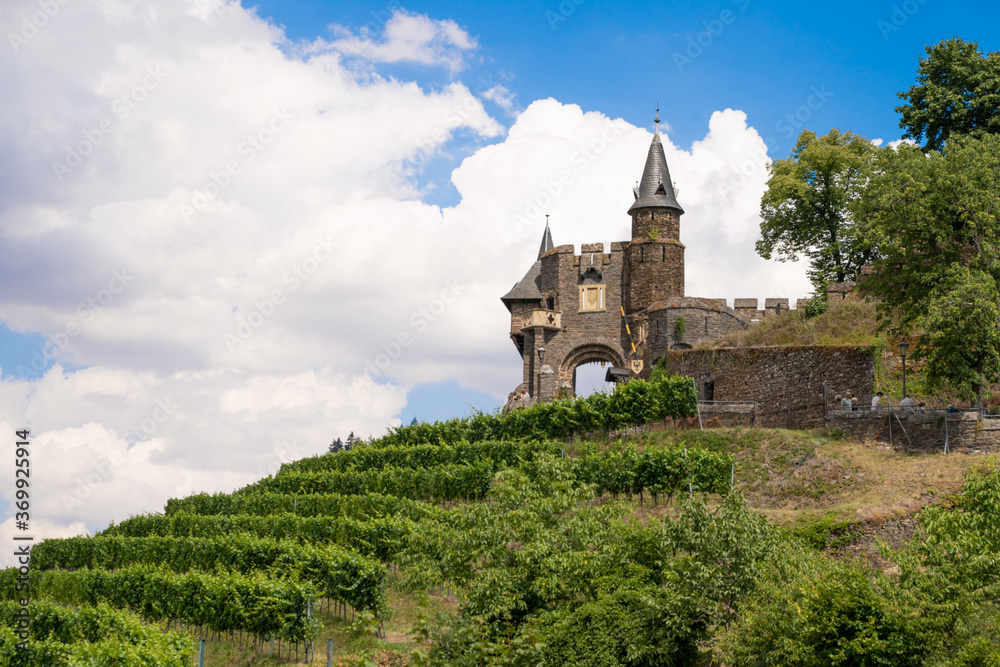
x=806 y=209
x=963 y=332
x=935 y=219
x=957 y=92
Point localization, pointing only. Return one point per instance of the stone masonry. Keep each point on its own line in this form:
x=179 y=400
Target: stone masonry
x=788 y=384
x=922 y=432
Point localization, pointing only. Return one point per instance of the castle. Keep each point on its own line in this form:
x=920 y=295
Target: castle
x=626 y=307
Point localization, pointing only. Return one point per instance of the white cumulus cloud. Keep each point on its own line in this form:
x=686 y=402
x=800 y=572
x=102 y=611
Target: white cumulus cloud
x=409 y=37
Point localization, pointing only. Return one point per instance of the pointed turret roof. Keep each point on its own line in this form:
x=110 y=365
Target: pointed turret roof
x=655 y=190
x=529 y=287
x=546 y=240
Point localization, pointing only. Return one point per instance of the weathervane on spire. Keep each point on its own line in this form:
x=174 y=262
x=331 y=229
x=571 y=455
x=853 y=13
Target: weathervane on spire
x=656 y=121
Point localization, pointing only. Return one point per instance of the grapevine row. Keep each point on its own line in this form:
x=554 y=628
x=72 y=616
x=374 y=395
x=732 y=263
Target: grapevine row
x=630 y=404
x=449 y=482
x=98 y=635
x=256 y=603
x=340 y=574
x=613 y=471
x=362 y=506
x=364 y=457
x=377 y=538
x=625 y=471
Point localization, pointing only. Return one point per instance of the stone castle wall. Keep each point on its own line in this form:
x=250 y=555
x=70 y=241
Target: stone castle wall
x=705 y=320
x=660 y=223
x=654 y=270
x=787 y=383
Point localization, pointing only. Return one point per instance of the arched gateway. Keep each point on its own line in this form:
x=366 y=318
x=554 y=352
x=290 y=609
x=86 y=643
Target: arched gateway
x=587 y=353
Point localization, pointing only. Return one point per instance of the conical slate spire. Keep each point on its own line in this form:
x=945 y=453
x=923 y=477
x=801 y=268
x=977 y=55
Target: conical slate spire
x=546 y=240
x=527 y=289
x=655 y=190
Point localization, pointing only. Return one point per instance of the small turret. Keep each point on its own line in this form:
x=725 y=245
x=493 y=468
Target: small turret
x=654 y=260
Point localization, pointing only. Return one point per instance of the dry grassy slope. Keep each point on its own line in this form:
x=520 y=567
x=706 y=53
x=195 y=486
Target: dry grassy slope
x=850 y=322
x=843 y=493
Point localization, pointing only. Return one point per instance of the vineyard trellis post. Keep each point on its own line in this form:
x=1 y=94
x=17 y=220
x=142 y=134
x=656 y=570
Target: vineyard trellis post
x=697 y=403
x=201 y=653
x=329 y=653
x=946 y=433
x=308 y=615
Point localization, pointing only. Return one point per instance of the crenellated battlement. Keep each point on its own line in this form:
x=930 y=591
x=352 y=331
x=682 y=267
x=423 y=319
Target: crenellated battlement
x=749 y=309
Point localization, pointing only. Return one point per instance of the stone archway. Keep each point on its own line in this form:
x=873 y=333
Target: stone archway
x=585 y=353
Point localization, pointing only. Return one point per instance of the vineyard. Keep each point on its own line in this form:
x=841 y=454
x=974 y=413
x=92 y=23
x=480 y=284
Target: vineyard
x=264 y=562
x=541 y=547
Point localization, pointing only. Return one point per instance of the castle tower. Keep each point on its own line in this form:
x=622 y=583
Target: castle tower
x=654 y=260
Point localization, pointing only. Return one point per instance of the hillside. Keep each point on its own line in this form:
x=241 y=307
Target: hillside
x=668 y=547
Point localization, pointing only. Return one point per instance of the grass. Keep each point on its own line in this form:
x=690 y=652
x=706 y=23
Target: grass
x=849 y=322
x=798 y=478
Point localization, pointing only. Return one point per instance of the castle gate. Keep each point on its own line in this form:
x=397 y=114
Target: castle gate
x=585 y=353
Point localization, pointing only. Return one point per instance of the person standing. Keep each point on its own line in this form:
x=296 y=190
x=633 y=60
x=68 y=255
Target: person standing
x=876 y=400
x=846 y=401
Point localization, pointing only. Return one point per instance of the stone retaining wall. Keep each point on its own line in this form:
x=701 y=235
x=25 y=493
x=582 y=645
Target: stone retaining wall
x=921 y=432
x=788 y=383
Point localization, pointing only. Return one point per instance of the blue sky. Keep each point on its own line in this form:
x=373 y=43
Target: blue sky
x=765 y=58
x=182 y=311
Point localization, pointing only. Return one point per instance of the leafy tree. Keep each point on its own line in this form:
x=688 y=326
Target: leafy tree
x=806 y=209
x=936 y=221
x=957 y=92
x=813 y=612
x=963 y=335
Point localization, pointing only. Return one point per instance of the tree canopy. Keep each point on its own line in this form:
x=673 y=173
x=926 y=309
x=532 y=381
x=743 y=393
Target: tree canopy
x=957 y=92
x=806 y=208
x=935 y=219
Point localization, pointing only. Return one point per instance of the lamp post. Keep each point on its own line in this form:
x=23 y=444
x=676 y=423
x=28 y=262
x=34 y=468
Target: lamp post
x=904 y=347
x=541 y=360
